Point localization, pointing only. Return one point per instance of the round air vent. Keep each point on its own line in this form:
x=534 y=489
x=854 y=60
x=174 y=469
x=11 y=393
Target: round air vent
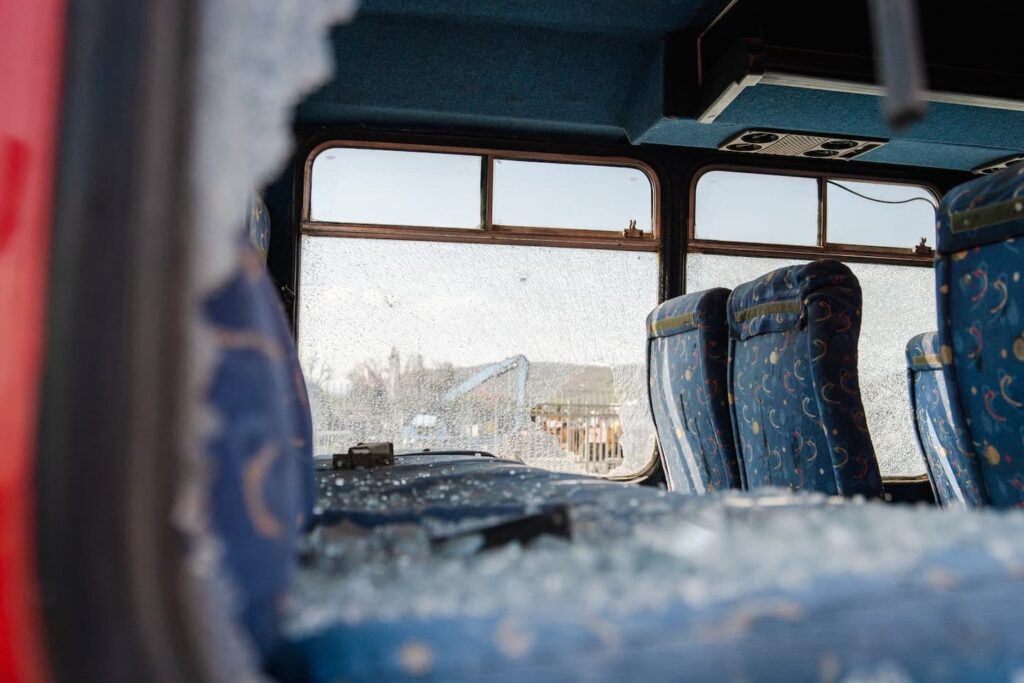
x=794 y=144
x=840 y=144
x=760 y=138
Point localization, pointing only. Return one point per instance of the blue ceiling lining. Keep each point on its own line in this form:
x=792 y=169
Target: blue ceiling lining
x=321 y=112
x=484 y=73
x=522 y=67
x=618 y=17
x=934 y=155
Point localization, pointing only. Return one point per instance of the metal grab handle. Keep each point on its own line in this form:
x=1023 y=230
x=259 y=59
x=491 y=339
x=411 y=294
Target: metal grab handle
x=899 y=60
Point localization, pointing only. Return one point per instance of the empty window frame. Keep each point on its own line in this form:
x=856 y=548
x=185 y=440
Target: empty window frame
x=757 y=212
x=479 y=195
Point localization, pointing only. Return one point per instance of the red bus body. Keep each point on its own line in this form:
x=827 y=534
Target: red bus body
x=31 y=35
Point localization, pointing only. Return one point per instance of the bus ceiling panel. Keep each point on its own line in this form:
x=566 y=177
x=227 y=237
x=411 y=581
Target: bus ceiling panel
x=811 y=109
x=652 y=17
x=540 y=69
x=391 y=70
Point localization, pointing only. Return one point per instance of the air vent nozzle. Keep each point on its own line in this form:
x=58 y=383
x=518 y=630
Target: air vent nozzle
x=998 y=165
x=778 y=143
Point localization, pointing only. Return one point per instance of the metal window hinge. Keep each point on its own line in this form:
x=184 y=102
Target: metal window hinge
x=632 y=230
x=287 y=298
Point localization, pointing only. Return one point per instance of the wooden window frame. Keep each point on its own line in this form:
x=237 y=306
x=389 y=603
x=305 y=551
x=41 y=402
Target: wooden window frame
x=488 y=232
x=824 y=249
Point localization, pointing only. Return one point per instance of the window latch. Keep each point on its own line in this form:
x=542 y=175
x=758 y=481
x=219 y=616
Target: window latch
x=922 y=248
x=632 y=230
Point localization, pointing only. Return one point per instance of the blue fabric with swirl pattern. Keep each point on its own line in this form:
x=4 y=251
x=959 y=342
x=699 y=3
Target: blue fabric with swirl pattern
x=797 y=413
x=952 y=464
x=979 y=260
x=260 y=448
x=687 y=362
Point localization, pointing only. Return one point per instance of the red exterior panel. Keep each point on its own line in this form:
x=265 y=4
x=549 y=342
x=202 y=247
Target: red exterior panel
x=31 y=42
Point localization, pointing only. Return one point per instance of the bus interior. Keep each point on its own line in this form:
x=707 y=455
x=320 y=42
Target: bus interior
x=514 y=341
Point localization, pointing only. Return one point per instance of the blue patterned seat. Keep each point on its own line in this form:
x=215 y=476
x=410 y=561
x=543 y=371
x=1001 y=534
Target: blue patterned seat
x=687 y=363
x=952 y=464
x=981 y=332
x=260 y=450
x=797 y=412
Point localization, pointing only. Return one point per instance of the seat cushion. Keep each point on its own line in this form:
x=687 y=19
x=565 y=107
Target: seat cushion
x=979 y=262
x=687 y=361
x=952 y=464
x=797 y=412
x=260 y=449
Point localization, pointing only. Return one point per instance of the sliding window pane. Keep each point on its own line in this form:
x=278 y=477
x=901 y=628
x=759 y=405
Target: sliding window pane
x=757 y=207
x=392 y=187
x=580 y=196
x=879 y=214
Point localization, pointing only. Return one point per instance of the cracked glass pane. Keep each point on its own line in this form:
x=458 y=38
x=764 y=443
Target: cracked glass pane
x=535 y=353
x=899 y=302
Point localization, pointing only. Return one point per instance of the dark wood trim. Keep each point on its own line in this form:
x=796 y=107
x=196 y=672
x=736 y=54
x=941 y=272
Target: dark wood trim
x=487 y=191
x=534 y=237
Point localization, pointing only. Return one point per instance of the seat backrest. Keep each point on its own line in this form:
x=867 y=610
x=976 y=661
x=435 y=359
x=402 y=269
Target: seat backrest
x=687 y=362
x=260 y=448
x=797 y=413
x=952 y=465
x=978 y=267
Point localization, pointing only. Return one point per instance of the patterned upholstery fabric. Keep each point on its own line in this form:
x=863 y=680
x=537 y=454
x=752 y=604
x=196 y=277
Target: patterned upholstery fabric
x=952 y=465
x=262 y=463
x=687 y=362
x=259 y=225
x=797 y=412
x=981 y=332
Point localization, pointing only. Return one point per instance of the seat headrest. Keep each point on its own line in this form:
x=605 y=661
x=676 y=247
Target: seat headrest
x=687 y=312
x=777 y=301
x=922 y=352
x=986 y=210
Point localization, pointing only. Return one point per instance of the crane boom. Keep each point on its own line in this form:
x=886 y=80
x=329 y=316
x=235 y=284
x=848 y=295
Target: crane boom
x=491 y=371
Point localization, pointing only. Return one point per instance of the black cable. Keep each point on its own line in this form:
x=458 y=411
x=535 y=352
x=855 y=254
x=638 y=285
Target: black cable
x=884 y=201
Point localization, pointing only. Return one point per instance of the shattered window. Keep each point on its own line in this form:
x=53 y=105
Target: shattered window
x=889 y=321
x=534 y=353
